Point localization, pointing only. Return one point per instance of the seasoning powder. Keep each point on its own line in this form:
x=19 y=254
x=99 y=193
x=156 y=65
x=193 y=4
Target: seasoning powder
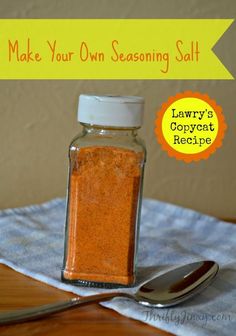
x=103 y=199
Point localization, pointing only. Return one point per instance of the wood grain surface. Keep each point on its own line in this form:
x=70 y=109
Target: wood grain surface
x=18 y=291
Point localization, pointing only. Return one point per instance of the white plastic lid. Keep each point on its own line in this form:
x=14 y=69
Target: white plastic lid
x=109 y=110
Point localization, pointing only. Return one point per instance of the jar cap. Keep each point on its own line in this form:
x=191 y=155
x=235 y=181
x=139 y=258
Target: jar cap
x=109 y=110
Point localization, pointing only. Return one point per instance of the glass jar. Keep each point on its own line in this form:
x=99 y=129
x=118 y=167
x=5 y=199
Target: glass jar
x=104 y=193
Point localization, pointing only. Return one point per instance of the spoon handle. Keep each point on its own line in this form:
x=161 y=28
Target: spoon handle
x=38 y=312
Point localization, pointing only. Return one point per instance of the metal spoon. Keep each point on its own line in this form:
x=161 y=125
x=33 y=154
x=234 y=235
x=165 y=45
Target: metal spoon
x=165 y=290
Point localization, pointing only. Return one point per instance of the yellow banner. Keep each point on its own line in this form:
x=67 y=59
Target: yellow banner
x=111 y=49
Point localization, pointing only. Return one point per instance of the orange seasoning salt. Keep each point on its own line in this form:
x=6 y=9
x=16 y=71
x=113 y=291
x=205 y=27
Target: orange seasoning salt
x=104 y=195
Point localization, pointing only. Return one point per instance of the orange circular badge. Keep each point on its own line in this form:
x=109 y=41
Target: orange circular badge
x=190 y=126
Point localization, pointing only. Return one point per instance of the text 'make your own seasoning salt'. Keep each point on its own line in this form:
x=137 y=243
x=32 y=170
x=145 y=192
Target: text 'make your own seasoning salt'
x=104 y=193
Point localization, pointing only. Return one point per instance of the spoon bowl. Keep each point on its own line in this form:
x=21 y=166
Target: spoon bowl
x=165 y=290
x=177 y=285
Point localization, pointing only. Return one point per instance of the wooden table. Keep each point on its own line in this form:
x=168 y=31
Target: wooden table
x=18 y=291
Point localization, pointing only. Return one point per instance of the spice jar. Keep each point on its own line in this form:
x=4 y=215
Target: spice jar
x=104 y=193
